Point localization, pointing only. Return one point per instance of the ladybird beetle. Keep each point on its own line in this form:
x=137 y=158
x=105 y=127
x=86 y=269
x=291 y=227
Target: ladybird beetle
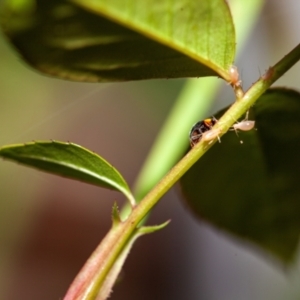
x=199 y=128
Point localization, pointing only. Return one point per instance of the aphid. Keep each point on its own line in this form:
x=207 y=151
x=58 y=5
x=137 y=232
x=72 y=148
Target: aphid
x=211 y=135
x=234 y=77
x=235 y=82
x=244 y=125
x=200 y=128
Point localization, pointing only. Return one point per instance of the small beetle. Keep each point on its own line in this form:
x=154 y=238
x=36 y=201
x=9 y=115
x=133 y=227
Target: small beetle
x=200 y=128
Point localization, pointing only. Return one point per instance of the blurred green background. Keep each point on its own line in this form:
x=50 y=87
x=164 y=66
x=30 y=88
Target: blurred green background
x=50 y=225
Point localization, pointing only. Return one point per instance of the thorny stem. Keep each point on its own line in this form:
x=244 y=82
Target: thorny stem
x=88 y=282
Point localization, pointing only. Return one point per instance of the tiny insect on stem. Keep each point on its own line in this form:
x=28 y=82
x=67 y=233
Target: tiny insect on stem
x=235 y=81
x=234 y=76
x=245 y=125
x=210 y=135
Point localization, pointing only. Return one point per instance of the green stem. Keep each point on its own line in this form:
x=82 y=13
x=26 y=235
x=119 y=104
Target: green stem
x=90 y=279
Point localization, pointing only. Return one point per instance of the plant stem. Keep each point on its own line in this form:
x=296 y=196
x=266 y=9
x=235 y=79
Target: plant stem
x=89 y=281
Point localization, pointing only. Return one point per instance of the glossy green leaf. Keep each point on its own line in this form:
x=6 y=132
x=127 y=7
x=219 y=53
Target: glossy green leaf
x=119 y=40
x=252 y=189
x=68 y=160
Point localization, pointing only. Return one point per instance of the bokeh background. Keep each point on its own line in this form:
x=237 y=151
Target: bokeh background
x=50 y=225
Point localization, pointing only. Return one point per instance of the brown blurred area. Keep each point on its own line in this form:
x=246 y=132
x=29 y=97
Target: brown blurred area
x=50 y=225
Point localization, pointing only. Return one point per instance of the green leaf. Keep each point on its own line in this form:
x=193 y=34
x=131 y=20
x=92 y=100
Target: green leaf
x=68 y=160
x=252 y=189
x=118 y=40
